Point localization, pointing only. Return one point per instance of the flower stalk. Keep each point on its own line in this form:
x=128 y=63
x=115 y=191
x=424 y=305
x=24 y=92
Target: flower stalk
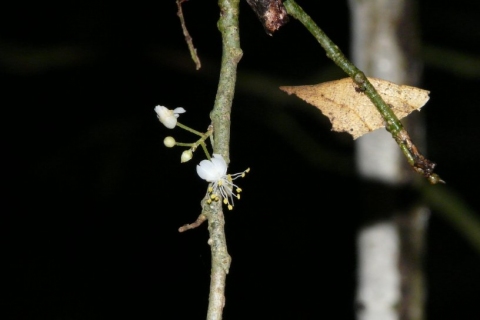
x=169 y=119
x=184 y=127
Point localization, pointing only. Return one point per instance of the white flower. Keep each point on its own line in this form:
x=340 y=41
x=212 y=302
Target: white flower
x=168 y=117
x=215 y=172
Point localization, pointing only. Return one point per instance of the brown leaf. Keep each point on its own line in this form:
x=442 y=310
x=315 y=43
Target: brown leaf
x=350 y=110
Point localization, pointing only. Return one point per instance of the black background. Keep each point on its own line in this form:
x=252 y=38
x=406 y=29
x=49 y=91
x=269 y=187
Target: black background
x=94 y=199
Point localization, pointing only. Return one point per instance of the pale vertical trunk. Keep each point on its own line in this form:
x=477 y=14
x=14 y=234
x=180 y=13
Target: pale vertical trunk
x=390 y=282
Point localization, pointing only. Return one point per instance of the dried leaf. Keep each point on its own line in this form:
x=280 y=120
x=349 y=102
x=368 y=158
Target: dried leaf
x=350 y=110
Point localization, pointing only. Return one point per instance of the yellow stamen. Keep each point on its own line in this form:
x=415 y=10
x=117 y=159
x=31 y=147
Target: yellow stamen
x=225 y=201
x=230 y=207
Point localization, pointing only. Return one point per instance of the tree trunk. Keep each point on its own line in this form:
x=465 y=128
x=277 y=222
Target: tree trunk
x=390 y=244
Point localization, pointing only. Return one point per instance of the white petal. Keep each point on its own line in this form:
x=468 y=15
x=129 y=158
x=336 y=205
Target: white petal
x=169 y=122
x=161 y=110
x=206 y=171
x=220 y=164
x=166 y=116
x=179 y=110
x=212 y=170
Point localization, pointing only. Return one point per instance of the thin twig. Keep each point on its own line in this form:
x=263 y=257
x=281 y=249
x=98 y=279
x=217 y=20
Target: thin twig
x=201 y=219
x=418 y=162
x=188 y=38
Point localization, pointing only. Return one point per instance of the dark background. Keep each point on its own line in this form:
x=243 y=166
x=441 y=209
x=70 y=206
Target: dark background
x=93 y=198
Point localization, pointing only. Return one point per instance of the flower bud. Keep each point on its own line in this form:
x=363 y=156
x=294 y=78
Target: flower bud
x=168 y=117
x=186 y=156
x=169 y=142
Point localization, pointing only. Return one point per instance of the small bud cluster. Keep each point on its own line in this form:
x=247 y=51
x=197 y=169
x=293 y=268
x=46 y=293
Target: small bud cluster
x=169 y=119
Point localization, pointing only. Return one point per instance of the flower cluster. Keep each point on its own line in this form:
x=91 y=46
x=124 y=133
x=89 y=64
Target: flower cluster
x=215 y=172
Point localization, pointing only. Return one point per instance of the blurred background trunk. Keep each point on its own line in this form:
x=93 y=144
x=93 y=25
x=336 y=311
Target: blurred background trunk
x=385 y=44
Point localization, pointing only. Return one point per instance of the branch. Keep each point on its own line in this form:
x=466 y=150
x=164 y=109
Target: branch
x=188 y=38
x=220 y=115
x=231 y=55
x=201 y=218
x=418 y=162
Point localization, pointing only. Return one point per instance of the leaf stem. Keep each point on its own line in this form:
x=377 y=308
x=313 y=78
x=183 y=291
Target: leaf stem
x=418 y=162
